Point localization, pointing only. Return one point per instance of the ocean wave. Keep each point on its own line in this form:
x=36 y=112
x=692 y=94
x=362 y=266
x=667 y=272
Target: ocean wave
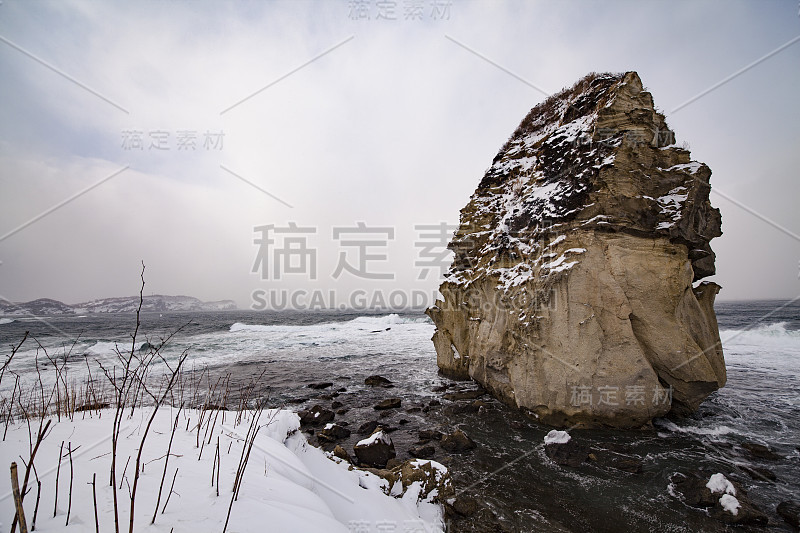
x=394 y=318
x=714 y=431
x=105 y=349
x=773 y=334
x=6 y=320
x=361 y=322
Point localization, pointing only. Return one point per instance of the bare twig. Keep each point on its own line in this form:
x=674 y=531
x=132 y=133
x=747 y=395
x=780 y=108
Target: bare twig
x=23 y=527
x=71 y=476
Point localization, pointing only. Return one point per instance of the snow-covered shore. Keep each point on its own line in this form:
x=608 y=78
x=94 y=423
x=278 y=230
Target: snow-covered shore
x=288 y=485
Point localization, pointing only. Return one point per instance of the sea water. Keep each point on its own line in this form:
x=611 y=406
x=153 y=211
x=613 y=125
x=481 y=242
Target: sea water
x=509 y=471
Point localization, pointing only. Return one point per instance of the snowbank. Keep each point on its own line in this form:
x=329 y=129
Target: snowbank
x=288 y=484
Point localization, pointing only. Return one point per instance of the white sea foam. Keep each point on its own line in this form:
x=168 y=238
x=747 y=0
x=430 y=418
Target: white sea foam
x=361 y=322
x=772 y=334
x=6 y=320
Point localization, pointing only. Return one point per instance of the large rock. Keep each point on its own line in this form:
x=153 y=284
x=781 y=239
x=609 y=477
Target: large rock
x=375 y=450
x=571 y=291
x=725 y=500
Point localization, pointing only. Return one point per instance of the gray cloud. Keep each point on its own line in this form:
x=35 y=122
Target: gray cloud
x=394 y=128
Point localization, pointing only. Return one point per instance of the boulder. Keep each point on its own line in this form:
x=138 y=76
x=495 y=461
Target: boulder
x=760 y=451
x=790 y=512
x=389 y=403
x=726 y=500
x=422 y=452
x=375 y=450
x=377 y=381
x=575 y=291
x=457 y=442
x=432 y=478
x=562 y=449
x=316 y=416
x=320 y=386
x=333 y=432
x=341 y=453
x=426 y=435
x=367 y=428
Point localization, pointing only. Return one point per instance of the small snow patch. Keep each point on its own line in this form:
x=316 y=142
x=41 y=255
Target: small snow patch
x=718 y=483
x=378 y=436
x=730 y=504
x=557 y=437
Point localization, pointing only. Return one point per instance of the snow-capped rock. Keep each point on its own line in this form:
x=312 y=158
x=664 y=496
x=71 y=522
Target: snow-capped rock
x=570 y=294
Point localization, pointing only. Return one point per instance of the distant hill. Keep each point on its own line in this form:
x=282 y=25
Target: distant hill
x=126 y=304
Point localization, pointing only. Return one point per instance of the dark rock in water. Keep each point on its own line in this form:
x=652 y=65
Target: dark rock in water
x=483 y=520
x=376 y=450
x=413 y=409
x=336 y=405
x=403 y=421
x=377 y=381
x=694 y=492
x=422 y=452
x=367 y=428
x=389 y=403
x=333 y=433
x=146 y=346
x=297 y=400
x=464 y=395
x=316 y=416
x=439 y=388
x=746 y=515
x=790 y=512
x=759 y=473
x=341 y=453
x=342 y=411
x=514 y=424
x=466 y=505
x=322 y=385
x=434 y=403
x=429 y=434
x=760 y=451
x=457 y=442
x=569 y=453
x=726 y=499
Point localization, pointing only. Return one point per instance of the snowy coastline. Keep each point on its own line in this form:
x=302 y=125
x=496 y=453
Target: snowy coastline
x=288 y=485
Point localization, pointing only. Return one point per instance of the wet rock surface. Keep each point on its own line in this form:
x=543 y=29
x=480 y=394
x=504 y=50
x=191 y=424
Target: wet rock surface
x=790 y=512
x=534 y=493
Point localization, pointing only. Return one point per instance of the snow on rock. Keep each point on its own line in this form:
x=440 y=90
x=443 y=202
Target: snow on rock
x=588 y=211
x=378 y=436
x=288 y=485
x=718 y=483
x=730 y=504
x=557 y=437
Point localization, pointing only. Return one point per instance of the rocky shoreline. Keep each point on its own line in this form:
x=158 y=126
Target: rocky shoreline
x=446 y=427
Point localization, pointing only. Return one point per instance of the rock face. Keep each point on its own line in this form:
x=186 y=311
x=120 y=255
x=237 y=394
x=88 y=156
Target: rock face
x=571 y=291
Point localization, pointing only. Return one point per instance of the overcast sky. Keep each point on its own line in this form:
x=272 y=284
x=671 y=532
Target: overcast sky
x=344 y=119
